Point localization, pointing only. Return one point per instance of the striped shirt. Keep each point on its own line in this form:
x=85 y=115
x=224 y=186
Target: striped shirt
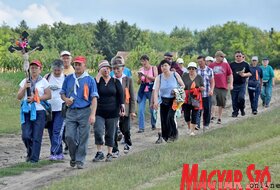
x=207 y=75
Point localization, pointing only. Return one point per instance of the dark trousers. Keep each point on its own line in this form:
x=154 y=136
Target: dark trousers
x=190 y=114
x=168 y=124
x=32 y=133
x=238 y=98
x=254 y=98
x=207 y=104
x=124 y=125
x=55 y=133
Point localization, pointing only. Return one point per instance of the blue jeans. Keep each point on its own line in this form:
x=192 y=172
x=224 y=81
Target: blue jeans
x=77 y=133
x=266 y=94
x=141 y=111
x=207 y=103
x=254 y=98
x=32 y=133
x=55 y=133
x=238 y=98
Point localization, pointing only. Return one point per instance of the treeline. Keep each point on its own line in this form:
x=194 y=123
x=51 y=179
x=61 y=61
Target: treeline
x=102 y=40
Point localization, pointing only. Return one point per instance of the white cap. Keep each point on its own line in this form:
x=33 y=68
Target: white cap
x=192 y=64
x=255 y=58
x=180 y=61
x=209 y=58
x=65 y=53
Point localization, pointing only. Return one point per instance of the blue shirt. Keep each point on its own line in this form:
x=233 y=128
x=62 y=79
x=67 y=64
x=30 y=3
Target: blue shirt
x=268 y=73
x=126 y=71
x=79 y=101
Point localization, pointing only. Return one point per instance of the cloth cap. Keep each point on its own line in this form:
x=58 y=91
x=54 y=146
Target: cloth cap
x=80 y=59
x=192 y=64
x=209 y=58
x=103 y=63
x=65 y=53
x=180 y=61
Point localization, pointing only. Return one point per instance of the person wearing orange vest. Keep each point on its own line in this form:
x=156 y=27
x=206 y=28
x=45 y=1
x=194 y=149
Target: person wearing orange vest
x=254 y=84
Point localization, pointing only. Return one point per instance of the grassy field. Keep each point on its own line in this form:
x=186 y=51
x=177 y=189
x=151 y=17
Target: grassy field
x=255 y=141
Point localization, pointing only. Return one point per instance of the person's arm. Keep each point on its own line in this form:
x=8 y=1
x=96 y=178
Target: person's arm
x=156 y=92
x=155 y=72
x=93 y=107
x=179 y=79
x=120 y=96
x=21 y=91
x=230 y=79
x=132 y=99
x=47 y=94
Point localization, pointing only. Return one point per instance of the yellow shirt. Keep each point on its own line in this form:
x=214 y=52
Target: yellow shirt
x=69 y=71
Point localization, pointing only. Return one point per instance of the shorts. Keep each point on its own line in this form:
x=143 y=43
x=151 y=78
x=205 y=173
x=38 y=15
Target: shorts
x=219 y=97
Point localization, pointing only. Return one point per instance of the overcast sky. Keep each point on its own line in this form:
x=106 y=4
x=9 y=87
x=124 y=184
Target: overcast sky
x=155 y=15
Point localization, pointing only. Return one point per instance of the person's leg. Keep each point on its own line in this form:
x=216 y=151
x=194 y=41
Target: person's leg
x=26 y=135
x=234 y=98
x=193 y=120
x=206 y=111
x=110 y=129
x=263 y=94
x=256 y=99
x=141 y=113
x=152 y=111
x=268 y=94
x=198 y=117
x=241 y=98
x=71 y=132
x=56 y=138
x=187 y=114
x=37 y=135
x=125 y=129
x=50 y=132
x=83 y=131
x=252 y=98
x=163 y=116
x=173 y=132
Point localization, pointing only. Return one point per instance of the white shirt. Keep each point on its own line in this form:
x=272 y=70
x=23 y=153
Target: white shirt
x=120 y=79
x=56 y=86
x=40 y=86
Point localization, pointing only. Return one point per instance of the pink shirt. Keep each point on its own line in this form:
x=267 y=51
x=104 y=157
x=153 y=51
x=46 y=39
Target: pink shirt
x=221 y=72
x=145 y=79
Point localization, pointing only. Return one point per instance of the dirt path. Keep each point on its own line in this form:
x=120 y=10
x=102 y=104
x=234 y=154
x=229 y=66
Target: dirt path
x=13 y=151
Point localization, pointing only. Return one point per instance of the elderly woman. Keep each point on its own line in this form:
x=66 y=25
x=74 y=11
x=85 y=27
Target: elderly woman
x=32 y=111
x=117 y=64
x=165 y=83
x=110 y=106
x=193 y=101
x=146 y=77
x=55 y=79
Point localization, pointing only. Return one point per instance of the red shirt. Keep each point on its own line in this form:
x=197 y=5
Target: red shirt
x=221 y=72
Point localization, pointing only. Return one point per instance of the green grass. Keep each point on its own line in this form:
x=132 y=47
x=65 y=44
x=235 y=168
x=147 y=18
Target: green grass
x=133 y=171
x=22 y=167
x=9 y=105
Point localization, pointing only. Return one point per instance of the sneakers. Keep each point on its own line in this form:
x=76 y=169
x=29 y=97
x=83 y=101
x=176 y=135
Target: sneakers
x=72 y=163
x=212 y=119
x=219 y=121
x=197 y=127
x=188 y=131
x=153 y=127
x=234 y=115
x=266 y=106
x=98 y=157
x=159 y=140
x=116 y=154
x=243 y=113
x=80 y=165
x=192 y=134
x=126 y=148
x=60 y=157
x=206 y=127
x=109 y=158
x=141 y=131
x=52 y=157
x=254 y=112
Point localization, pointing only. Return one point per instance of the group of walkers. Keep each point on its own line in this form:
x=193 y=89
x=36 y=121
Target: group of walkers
x=108 y=102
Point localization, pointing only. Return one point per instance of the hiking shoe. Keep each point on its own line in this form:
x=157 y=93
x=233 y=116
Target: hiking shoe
x=66 y=150
x=159 y=140
x=197 y=127
x=233 y=115
x=98 y=157
x=72 y=163
x=52 y=157
x=109 y=158
x=126 y=148
x=192 y=134
x=153 y=127
x=120 y=136
x=255 y=112
x=141 y=131
x=116 y=154
x=60 y=157
x=80 y=165
x=219 y=121
x=243 y=113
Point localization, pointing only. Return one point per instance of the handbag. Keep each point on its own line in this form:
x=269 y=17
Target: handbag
x=194 y=102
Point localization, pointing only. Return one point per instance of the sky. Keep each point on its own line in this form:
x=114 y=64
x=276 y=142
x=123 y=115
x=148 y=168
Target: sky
x=154 y=15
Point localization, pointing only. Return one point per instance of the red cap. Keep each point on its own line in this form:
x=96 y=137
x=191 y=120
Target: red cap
x=80 y=59
x=36 y=62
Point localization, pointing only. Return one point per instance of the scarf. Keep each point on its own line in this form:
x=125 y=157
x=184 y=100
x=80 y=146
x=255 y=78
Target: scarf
x=85 y=74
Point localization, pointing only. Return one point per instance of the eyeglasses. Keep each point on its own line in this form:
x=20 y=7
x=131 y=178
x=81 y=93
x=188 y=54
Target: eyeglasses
x=116 y=68
x=238 y=56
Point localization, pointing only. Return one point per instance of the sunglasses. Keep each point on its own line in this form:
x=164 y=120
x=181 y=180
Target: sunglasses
x=238 y=56
x=191 y=68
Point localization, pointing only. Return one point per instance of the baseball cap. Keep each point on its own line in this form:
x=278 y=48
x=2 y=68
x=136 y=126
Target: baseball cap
x=255 y=58
x=80 y=59
x=65 y=53
x=209 y=58
x=168 y=54
x=36 y=62
x=180 y=61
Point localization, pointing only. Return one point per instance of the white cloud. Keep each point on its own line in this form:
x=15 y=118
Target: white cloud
x=34 y=14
